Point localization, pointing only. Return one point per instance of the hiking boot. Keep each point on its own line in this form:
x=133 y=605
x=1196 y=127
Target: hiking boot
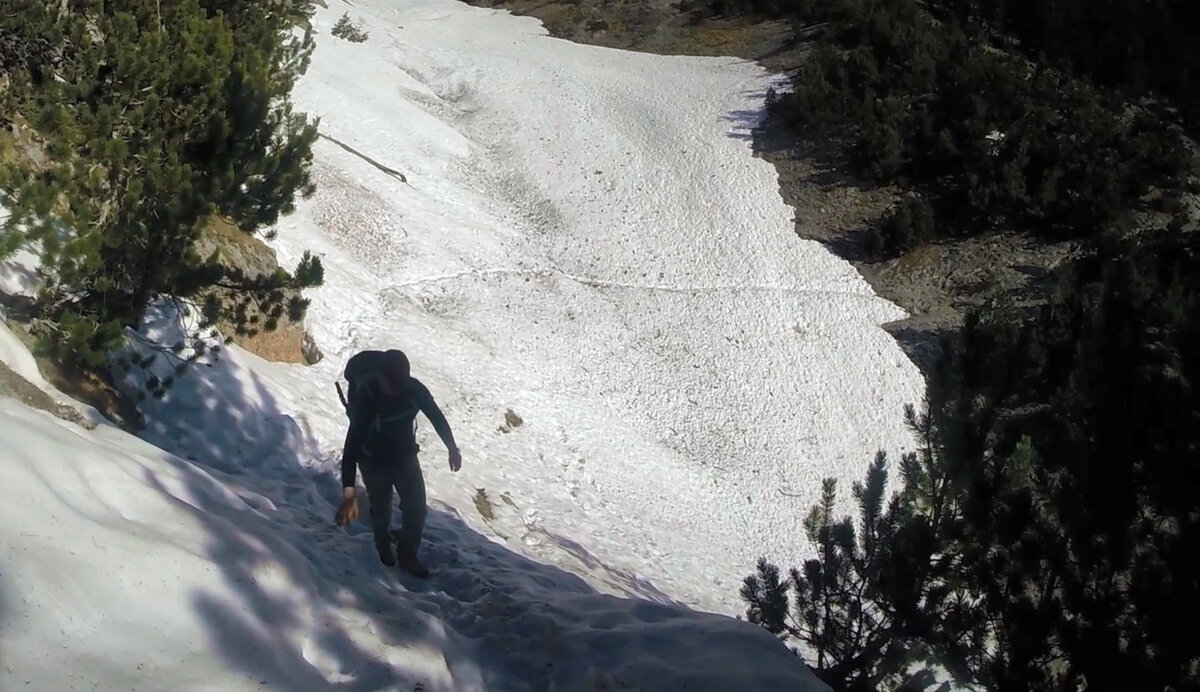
x=411 y=564
x=387 y=553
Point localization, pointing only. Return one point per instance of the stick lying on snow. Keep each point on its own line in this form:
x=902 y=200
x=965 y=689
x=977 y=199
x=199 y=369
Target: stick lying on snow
x=390 y=171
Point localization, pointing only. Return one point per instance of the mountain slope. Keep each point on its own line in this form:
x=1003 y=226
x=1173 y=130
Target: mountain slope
x=578 y=235
x=586 y=238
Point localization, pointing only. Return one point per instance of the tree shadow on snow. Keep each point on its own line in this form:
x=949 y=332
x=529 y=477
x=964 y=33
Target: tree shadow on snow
x=744 y=123
x=312 y=607
x=249 y=493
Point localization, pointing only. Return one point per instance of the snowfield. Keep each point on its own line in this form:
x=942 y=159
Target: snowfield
x=123 y=567
x=581 y=236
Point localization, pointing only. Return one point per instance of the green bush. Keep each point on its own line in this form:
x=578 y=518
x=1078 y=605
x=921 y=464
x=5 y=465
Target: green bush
x=343 y=28
x=990 y=139
x=1045 y=528
x=911 y=225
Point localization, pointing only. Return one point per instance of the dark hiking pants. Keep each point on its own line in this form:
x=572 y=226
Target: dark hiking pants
x=405 y=476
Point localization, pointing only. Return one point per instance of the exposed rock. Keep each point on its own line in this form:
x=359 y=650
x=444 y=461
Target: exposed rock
x=308 y=346
x=512 y=421
x=19 y=143
x=238 y=249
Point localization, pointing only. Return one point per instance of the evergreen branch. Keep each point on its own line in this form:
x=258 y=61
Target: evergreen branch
x=871 y=652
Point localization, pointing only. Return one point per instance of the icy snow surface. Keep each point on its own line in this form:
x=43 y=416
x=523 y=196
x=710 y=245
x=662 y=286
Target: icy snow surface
x=587 y=239
x=584 y=238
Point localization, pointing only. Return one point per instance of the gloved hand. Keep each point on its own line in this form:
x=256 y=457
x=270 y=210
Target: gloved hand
x=455 y=459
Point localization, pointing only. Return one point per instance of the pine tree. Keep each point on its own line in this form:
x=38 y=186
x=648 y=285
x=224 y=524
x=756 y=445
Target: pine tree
x=1097 y=393
x=1045 y=530
x=880 y=606
x=154 y=116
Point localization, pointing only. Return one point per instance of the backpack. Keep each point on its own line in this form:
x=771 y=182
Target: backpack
x=363 y=373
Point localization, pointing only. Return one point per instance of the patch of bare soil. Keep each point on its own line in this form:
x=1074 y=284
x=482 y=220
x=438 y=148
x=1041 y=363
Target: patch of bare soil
x=16 y=387
x=88 y=388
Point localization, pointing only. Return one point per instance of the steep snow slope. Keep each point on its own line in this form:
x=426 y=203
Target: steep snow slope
x=125 y=568
x=586 y=238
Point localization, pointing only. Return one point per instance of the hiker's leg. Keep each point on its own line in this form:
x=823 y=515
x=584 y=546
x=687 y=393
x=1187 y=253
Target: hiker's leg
x=410 y=485
x=379 y=494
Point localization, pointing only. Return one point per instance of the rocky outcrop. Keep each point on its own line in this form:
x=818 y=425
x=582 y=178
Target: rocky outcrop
x=308 y=348
x=19 y=143
x=288 y=343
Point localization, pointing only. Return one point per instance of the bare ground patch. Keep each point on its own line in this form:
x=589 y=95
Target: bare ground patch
x=16 y=387
x=88 y=388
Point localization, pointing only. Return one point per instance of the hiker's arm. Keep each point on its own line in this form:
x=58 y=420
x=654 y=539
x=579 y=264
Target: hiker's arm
x=359 y=422
x=430 y=408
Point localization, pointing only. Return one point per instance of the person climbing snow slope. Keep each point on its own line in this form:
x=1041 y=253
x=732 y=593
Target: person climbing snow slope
x=383 y=402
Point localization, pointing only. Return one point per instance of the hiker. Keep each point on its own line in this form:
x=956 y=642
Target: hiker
x=383 y=403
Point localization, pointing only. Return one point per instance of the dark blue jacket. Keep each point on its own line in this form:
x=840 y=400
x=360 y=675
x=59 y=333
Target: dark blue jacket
x=382 y=428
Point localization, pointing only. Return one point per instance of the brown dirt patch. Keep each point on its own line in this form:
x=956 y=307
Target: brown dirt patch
x=88 y=388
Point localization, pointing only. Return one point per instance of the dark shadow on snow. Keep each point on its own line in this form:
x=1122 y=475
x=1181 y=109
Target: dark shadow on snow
x=253 y=444
x=744 y=123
